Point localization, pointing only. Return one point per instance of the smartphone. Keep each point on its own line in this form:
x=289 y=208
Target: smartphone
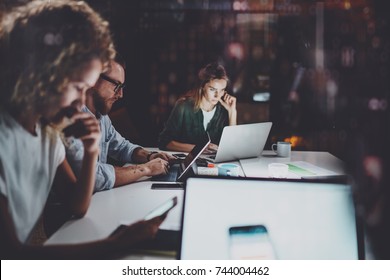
x=162 y=209
x=251 y=242
x=76 y=129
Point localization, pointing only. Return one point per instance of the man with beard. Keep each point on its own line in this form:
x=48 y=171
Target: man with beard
x=99 y=101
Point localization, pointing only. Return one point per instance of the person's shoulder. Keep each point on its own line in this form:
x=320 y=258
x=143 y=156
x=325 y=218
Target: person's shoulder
x=186 y=102
x=185 y=106
x=51 y=133
x=104 y=120
x=106 y=126
x=3 y=118
x=9 y=126
x=5 y=126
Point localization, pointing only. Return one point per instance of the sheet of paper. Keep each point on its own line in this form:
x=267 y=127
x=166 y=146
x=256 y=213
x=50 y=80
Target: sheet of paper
x=305 y=169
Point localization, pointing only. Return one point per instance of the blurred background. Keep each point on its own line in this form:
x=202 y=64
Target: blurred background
x=316 y=69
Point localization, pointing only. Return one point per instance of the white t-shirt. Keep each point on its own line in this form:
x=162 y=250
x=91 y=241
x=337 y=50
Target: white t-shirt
x=28 y=165
x=207 y=116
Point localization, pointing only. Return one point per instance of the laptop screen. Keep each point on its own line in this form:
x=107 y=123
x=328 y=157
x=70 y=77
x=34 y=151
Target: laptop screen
x=192 y=156
x=242 y=141
x=265 y=219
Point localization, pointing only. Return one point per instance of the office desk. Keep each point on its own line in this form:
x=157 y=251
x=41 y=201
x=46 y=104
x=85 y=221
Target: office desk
x=132 y=202
x=325 y=163
x=108 y=209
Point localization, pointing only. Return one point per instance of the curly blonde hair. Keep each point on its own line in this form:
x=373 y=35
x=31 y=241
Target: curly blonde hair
x=43 y=45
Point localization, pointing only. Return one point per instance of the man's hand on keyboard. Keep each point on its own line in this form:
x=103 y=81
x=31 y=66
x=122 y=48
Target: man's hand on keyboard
x=157 y=166
x=162 y=155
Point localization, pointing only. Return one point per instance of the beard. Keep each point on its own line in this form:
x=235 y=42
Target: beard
x=103 y=106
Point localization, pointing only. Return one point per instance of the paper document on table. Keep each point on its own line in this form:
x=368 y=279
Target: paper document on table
x=305 y=169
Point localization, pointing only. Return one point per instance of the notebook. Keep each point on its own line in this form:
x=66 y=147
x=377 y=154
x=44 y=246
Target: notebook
x=241 y=141
x=182 y=169
x=248 y=218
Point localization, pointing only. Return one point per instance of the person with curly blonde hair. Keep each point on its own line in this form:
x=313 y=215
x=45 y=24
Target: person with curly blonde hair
x=51 y=52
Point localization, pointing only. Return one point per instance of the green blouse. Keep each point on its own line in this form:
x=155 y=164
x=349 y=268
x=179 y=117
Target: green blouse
x=186 y=125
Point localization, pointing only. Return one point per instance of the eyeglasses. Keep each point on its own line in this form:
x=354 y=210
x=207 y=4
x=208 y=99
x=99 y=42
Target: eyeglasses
x=118 y=85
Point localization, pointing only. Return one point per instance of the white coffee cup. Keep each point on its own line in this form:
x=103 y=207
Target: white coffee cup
x=278 y=170
x=228 y=169
x=283 y=149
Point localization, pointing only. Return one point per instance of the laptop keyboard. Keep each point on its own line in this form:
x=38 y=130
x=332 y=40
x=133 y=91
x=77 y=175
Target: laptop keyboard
x=171 y=176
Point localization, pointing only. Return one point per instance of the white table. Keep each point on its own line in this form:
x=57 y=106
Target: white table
x=108 y=209
x=323 y=163
x=132 y=202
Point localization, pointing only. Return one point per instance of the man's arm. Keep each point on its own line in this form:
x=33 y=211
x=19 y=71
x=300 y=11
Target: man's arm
x=105 y=173
x=109 y=176
x=116 y=146
x=113 y=145
x=128 y=174
x=140 y=155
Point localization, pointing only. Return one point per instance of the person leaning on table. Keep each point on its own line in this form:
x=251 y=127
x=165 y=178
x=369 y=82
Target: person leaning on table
x=206 y=108
x=99 y=101
x=50 y=53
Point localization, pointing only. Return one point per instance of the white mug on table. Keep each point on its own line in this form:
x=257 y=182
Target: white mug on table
x=283 y=149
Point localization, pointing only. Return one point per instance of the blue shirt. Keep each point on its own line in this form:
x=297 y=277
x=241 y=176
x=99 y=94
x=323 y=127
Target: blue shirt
x=111 y=144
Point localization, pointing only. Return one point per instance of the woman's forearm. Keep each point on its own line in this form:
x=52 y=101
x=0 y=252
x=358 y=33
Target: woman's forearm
x=233 y=117
x=84 y=185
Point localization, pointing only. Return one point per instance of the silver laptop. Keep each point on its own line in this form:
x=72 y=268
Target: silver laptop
x=241 y=141
x=269 y=219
